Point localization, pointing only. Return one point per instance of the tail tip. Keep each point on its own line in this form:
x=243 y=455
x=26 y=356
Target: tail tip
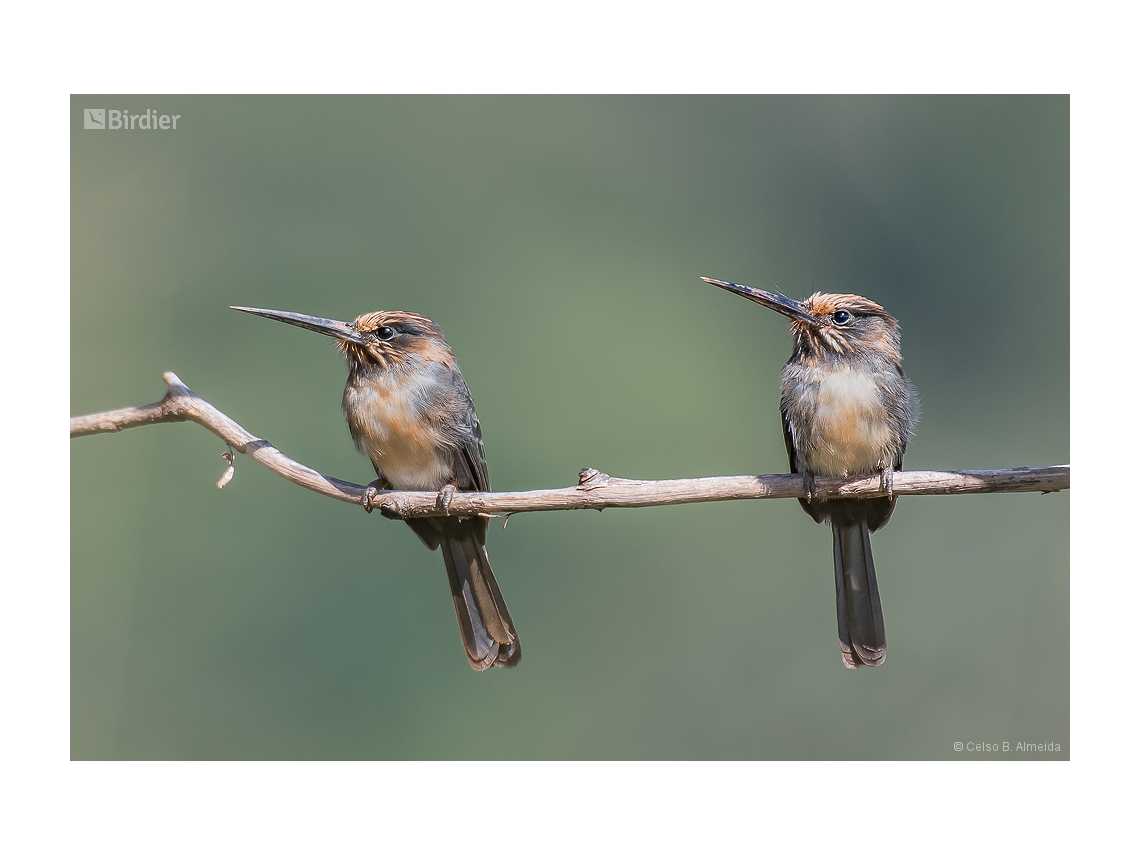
x=857 y=658
x=499 y=656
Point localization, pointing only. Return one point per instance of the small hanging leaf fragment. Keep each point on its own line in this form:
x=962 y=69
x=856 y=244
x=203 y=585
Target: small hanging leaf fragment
x=227 y=456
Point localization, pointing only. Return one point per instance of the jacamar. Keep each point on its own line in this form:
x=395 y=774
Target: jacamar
x=848 y=410
x=409 y=411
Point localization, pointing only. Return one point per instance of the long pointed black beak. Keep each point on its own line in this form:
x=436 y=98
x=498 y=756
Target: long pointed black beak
x=325 y=326
x=776 y=302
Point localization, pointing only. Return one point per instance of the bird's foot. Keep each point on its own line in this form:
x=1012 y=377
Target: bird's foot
x=887 y=481
x=444 y=497
x=371 y=490
x=809 y=486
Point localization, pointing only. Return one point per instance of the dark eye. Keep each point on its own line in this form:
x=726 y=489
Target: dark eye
x=841 y=318
x=385 y=333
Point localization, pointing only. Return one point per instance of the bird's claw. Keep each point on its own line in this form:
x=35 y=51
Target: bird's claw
x=887 y=481
x=809 y=486
x=444 y=497
x=371 y=490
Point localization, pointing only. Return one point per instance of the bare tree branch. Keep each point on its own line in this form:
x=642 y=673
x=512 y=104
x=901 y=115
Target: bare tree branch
x=595 y=489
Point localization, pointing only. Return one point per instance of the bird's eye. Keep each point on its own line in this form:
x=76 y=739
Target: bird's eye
x=385 y=333
x=841 y=318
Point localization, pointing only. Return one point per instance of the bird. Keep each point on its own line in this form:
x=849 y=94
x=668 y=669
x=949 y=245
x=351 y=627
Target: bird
x=848 y=410
x=409 y=411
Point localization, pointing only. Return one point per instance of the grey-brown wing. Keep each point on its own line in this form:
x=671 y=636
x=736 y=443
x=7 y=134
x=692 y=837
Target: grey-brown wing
x=905 y=409
x=470 y=457
x=789 y=443
x=458 y=429
x=470 y=460
x=469 y=472
x=794 y=466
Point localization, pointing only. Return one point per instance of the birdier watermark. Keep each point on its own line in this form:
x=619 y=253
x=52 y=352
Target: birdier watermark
x=102 y=119
x=1008 y=747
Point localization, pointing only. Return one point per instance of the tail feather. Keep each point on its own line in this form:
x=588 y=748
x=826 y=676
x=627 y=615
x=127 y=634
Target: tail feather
x=488 y=633
x=862 y=636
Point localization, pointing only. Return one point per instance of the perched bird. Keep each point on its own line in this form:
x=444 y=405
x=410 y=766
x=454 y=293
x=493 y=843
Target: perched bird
x=409 y=411
x=848 y=410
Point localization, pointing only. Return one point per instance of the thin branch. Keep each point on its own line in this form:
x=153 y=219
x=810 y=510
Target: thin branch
x=595 y=490
x=182 y=405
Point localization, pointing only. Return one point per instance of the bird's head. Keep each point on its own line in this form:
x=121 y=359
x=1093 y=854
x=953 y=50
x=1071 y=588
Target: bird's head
x=383 y=339
x=830 y=325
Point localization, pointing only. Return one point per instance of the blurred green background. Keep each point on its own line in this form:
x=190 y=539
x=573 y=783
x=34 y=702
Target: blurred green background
x=558 y=241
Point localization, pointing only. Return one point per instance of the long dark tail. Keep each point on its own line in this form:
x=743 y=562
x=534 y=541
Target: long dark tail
x=489 y=635
x=862 y=637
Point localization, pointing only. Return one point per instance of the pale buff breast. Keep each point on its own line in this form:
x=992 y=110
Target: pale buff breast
x=389 y=427
x=848 y=432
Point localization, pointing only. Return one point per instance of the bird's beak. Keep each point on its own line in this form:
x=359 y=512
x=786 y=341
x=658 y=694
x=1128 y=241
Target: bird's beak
x=325 y=326
x=794 y=309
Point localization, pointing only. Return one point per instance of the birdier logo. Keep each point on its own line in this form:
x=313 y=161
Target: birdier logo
x=124 y=120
